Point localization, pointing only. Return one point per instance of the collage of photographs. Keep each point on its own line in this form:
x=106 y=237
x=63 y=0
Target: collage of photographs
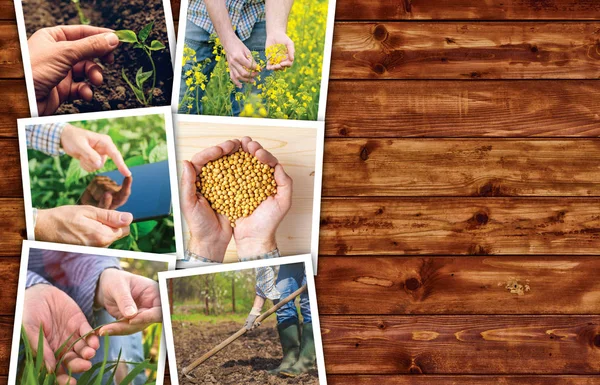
x=172 y=192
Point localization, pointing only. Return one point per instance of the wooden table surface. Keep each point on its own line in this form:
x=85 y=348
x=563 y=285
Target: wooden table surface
x=461 y=154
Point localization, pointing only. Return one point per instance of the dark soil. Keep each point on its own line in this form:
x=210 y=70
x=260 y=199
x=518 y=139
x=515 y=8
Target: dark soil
x=245 y=361
x=115 y=14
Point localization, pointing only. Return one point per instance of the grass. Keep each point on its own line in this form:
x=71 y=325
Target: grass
x=34 y=372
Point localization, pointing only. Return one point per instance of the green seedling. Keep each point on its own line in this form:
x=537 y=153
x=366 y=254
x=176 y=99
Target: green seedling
x=82 y=18
x=139 y=41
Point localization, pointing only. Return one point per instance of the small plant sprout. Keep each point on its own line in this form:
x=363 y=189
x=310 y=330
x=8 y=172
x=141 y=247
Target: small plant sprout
x=139 y=41
x=82 y=18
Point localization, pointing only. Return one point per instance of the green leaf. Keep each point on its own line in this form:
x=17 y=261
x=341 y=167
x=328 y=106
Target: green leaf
x=103 y=367
x=156 y=45
x=133 y=230
x=139 y=94
x=39 y=359
x=141 y=77
x=158 y=153
x=145 y=32
x=126 y=36
x=116 y=366
x=74 y=173
x=133 y=374
x=138 y=45
x=137 y=160
x=144 y=228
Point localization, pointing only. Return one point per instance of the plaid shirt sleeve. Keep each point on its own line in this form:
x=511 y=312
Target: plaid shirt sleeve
x=45 y=137
x=243 y=14
x=265 y=276
x=75 y=274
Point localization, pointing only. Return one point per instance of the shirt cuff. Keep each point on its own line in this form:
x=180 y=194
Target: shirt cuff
x=45 y=138
x=34 y=279
x=271 y=254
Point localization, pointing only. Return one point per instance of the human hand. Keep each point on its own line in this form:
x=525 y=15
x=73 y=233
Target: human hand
x=242 y=67
x=91 y=149
x=251 y=319
x=62 y=56
x=81 y=225
x=131 y=298
x=61 y=320
x=105 y=193
x=210 y=232
x=280 y=38
x=255 y=235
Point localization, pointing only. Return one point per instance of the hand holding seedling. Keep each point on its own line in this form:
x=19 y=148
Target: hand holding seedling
x=91 y=149
x=255 y=235
x=81 y=225
x=130 y=297
x=210 y=232
x=105 y=193
x=62 y=57
x=62 y=320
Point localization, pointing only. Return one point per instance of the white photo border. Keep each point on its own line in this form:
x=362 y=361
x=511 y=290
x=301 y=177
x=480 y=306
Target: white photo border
x=22 y=29
x=312 y=296
x=27 y=246
x=168 y=119
x=325 y=65
x=291 y=124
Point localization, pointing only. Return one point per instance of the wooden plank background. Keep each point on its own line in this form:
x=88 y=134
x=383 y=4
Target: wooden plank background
x=461 y=154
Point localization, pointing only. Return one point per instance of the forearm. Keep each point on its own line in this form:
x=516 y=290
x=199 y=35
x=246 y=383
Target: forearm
x=277 y=13
x=217 y=11
x=259 y=302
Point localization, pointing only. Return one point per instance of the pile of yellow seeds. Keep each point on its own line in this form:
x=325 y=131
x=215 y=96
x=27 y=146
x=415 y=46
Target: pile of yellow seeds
x=236 y=184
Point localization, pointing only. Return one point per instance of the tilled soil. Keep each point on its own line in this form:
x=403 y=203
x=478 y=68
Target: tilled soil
x=130 y=14
x=245 y=361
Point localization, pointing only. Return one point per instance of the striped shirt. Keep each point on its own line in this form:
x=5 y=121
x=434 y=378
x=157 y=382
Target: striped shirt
x=265 y=277
x=243 y=14
x=75 y=274
x=45 y=137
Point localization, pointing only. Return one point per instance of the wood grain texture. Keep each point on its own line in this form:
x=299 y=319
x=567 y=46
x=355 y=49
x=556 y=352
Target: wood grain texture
x=295 y=148
x=463 y=285
x=467 y=9
x=13 y=106
x=396 y=50
x=461 y=344
x=12 y=227
x=7 y=10
x=9 y=274
x=459 y=380
x=454 y=108
x=461 y=167
x=11 y=65
x=6 y=330
x=10 y=183
x=459 y=226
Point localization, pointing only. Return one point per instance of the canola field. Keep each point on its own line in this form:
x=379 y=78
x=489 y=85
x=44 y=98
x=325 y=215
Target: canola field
x=292 y=93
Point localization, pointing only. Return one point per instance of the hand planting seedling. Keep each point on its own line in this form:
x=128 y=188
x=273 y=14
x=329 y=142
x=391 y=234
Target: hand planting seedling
x=139 y=41
x=236 y=184
x=82 y=18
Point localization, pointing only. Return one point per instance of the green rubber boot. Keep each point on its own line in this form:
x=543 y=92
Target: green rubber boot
x=289 y=336
x=308 y=356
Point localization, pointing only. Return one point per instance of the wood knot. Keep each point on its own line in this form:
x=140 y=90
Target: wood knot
x=379 y=211
x=534 y=48
x=414 y=369
x=412 y=284
x=481 y=218
x=324 y=222
x=343 y=131
x=381 y=325
x=379 y=68
x=23 y=233
x=364 y=153
x=597 y=341
x=450 y=40
x=380 y=33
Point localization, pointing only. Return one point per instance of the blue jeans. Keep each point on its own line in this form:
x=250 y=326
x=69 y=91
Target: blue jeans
x=197 y=39
x=131 y=348
x=291 y=277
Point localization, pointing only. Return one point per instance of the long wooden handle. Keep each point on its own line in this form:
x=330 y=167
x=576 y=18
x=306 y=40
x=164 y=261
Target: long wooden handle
x=241 y=332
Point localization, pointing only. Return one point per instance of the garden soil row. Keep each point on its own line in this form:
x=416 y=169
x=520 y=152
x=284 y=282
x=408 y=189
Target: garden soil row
x=245 y=361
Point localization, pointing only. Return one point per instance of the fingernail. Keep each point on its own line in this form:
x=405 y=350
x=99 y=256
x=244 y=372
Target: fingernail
x=112 y=39
x=98 y=164
x=130 y=311
x=126 y=217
